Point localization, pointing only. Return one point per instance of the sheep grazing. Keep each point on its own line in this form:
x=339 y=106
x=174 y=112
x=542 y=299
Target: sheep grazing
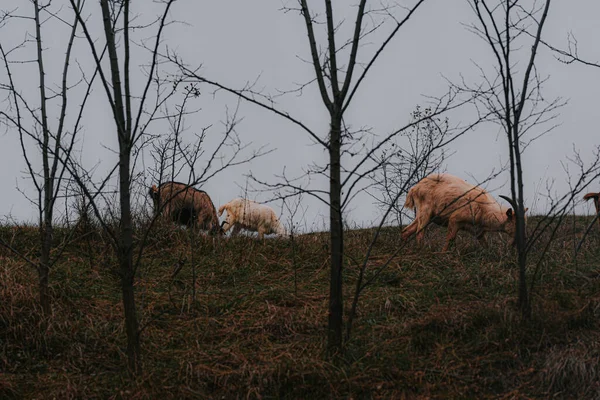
x=447 y=200
x=596 y=197
x=185 y=205
x=252 y=216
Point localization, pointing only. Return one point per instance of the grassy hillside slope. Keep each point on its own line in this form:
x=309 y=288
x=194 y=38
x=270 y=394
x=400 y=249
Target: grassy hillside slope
x=432 y=325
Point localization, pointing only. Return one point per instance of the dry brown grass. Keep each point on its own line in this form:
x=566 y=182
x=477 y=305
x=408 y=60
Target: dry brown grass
x=572 y=368
x=432 y=325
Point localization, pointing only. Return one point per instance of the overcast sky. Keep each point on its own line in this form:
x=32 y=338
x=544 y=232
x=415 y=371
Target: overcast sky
x=240 y=41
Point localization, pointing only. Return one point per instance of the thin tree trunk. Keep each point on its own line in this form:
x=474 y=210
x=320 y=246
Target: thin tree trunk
x=125 y=240
x=524 y=303
x=597 y=206
x=131 y=325
x=336 y=305
x=126 y=264
x=43 y=273
x=44 y=264
x=46 y=204
x=192 y=232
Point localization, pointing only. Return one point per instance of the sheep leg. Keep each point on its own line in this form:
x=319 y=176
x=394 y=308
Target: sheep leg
x=423 y=218
x=421 y=230
x=409 y=230
x=451 y=235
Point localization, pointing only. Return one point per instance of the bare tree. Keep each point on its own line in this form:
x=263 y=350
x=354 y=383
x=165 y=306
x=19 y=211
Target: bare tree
x=514 y=97
x=127 y=111
x=46 y=133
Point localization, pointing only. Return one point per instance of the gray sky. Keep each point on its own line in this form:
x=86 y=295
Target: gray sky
x=237 y=41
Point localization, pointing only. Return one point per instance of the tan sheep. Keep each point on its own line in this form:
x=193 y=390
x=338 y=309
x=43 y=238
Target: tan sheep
x=449 y=201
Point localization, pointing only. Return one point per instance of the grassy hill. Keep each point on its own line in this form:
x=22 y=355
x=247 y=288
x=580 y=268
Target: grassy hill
x=432 y=324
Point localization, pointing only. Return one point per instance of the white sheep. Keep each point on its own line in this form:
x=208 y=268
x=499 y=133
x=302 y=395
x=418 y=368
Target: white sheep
x=252 y=216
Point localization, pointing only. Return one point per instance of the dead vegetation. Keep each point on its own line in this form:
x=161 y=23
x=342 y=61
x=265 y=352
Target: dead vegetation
x=432 y=325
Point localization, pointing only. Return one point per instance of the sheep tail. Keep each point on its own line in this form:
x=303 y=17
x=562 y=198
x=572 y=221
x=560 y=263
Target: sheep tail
x=410 y=201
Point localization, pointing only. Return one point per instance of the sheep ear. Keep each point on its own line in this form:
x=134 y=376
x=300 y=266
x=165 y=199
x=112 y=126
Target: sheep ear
x=509 y=213
x=526 y=210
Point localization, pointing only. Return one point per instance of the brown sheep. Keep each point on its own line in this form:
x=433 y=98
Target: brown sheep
x=185 y=205
x=449 y=201
x=596 y=197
